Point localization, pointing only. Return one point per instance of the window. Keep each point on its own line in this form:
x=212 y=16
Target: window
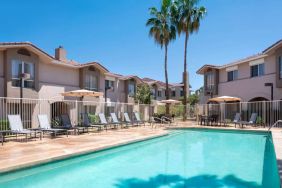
x=110 y=84
x=232 y=75
x=210 y=80
x=257 y=70
x=20 y=67
x=280 y=67
x=173 y=93
x=166 y=93
x=91 y=81
x=159 y=93
x=181 y=93
x=153 y=92
x=131 y=88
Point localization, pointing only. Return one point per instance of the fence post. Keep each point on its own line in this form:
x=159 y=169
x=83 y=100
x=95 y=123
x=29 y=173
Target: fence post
x=76 y=107
x=240 y=110
x=264 y=112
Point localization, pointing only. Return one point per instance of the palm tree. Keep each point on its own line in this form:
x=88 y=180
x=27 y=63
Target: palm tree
x=186 y=16
x=163 y=31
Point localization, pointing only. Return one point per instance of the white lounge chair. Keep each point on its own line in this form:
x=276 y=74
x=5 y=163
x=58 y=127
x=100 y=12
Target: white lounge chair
x=45 y=126
x=115 y=120
x=128 y=120
x=16 y=127
x=138 y=119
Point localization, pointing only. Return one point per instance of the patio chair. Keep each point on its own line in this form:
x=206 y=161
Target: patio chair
x=128 y=120
x=45 y=126
x=16 y=127
x=115 y=120
x=155 y=120
x=252 y=120
x=103 y=121
x=237 y=119
x=87 y=123
x=168 y=120
x=138 y=119
x=66 y=124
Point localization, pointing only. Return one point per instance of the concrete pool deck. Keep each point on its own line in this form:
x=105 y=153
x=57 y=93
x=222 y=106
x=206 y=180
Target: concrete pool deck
x=15 y=155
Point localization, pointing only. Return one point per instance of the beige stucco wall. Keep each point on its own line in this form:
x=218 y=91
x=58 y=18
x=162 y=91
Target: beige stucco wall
x=244 y=69
x=58 y=75
x=118 y=94
x=15 y=91
x=53 y=91
x=177 y=93
x=248 y=88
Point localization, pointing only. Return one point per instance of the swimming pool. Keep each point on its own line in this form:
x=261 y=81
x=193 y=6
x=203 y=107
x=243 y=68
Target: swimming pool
x=185 y=158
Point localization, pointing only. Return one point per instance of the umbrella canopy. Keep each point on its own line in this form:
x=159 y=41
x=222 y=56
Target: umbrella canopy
x=224 y=99
x=170 y=101
x=82 y=93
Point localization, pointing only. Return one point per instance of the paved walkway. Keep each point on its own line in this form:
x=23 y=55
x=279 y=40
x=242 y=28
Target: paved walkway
x=14 y=155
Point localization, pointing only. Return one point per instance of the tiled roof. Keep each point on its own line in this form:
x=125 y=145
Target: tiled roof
x=250 y=58
x=24 y=44
x=272 y=46
x=163 y=84
x=78 y=65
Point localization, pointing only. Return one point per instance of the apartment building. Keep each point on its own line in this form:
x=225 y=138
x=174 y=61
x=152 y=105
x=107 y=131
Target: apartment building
x=250 y=79
x=49 y=76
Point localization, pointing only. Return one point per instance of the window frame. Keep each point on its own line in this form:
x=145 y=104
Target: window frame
x=173 y=93
x=160 y=93
x=131 y=89
x=112 y=85
x=210 y=82
x=22 y=70
x=232 y=77
x=89 y=81
x=260 y=70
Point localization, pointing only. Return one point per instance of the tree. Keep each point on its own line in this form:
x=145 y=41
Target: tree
x=186 y=16
x=193 y=99
x=143 y=94
x=163 y=31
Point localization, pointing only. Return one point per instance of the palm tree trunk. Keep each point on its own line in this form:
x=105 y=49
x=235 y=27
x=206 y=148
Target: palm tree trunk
x=166 y=80
x=185 y=77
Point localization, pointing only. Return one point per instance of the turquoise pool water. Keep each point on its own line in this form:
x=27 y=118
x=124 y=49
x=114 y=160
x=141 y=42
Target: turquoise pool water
x=186 y=158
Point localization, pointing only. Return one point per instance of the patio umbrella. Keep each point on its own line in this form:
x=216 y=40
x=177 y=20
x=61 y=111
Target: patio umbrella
x=170 y=101
x=82 y=93
x=224 y=99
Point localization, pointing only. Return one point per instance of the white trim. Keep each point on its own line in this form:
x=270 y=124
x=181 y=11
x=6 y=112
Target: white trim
x=229 y=69
x=257 y=62
x=110 y=78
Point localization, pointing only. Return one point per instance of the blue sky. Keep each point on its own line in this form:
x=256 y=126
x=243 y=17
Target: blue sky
x=113 y=32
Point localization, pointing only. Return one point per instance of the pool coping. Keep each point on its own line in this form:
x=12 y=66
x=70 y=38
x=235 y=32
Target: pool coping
x=75 y=154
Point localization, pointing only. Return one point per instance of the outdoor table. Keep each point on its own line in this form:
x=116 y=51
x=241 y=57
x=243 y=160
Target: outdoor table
x=206 y=119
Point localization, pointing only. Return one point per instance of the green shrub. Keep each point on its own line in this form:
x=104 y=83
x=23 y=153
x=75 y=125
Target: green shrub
x=161 y=110
x=4 y=124
x=259 y=120
x=55 y=122
x=176 y=110
x=93 y=118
